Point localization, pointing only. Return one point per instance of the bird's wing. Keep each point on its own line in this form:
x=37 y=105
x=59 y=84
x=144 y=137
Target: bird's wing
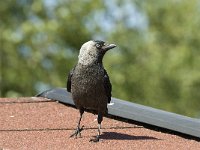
x=107 y=86
x=69 y=80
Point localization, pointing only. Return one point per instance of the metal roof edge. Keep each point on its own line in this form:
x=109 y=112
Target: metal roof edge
x=137 y=112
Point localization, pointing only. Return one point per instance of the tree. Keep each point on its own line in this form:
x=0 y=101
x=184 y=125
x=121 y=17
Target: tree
x=159 y=65
x=39 y=43
x=156 y=62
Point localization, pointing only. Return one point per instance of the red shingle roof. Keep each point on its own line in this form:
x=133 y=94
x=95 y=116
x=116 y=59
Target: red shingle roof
x=38 y=123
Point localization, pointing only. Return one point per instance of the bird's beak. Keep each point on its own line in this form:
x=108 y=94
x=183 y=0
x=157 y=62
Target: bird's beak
x=108 y=47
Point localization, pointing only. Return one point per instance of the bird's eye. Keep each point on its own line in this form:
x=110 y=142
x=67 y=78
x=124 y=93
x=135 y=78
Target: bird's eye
x=98 y=45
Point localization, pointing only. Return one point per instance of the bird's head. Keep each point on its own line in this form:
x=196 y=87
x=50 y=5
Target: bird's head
x=93 y=51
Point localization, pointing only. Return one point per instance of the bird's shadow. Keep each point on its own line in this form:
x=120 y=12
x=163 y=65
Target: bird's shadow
x=122 y=136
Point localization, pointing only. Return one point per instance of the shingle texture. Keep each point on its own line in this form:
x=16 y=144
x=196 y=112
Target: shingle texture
x=38 y=123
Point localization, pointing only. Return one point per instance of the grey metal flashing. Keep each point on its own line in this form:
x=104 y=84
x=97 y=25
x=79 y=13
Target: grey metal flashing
x=139 y=113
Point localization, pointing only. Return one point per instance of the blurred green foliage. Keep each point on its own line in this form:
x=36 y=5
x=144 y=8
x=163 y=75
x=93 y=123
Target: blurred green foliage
x=157 y=62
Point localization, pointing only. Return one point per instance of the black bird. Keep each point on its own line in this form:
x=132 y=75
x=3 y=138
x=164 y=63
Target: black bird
x=89 y=82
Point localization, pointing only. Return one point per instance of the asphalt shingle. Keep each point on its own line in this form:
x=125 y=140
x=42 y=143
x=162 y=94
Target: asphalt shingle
x=38 y=123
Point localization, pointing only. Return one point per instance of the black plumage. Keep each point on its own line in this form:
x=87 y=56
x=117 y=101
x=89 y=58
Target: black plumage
x=89 y=82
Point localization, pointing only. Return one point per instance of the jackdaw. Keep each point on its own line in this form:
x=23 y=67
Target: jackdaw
x=89 y=82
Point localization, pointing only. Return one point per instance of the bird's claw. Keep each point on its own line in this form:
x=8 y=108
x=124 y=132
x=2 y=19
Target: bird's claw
x=96 y=139
x=77 y=132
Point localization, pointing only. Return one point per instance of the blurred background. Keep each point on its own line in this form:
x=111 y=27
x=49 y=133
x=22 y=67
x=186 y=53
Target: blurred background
x=156 y=63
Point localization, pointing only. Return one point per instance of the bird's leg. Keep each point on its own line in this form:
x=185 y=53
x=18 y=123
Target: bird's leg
x=100 y=118
x=78 y=129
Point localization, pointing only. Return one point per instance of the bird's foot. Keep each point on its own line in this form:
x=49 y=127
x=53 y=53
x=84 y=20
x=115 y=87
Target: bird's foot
x=95 y=139
x=77 y=132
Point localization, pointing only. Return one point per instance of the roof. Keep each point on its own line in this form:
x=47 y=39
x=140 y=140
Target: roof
x=40 y=123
